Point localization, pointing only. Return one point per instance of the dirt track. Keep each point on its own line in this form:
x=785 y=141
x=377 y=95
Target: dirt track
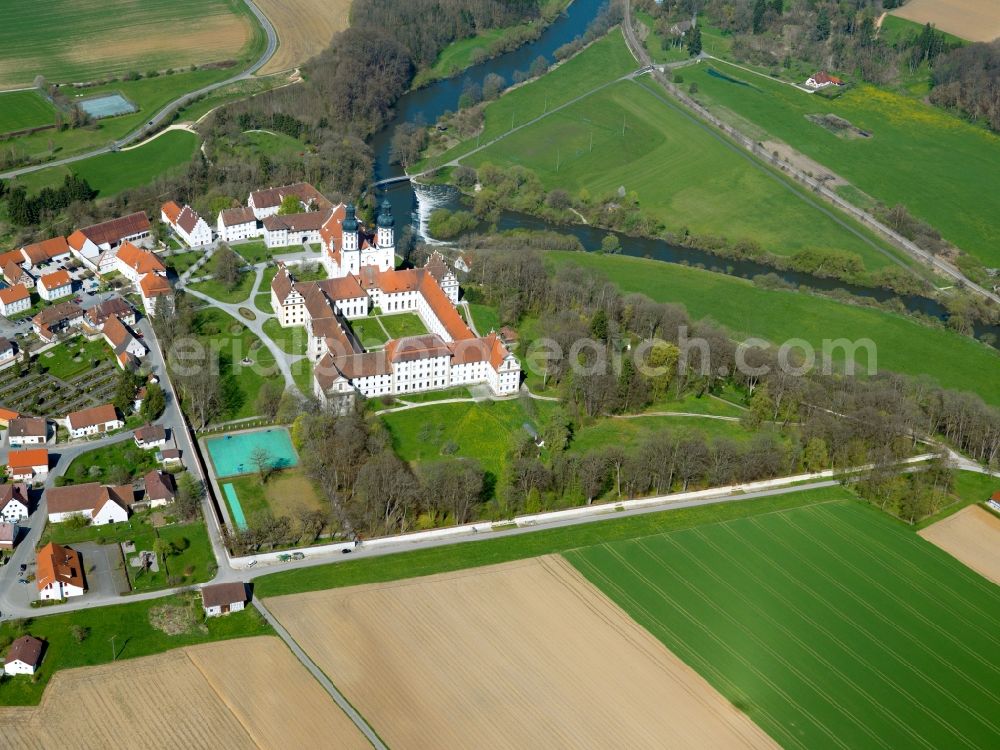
x=971 y=536
x=305 y=28
x=250 y=692
x=526 y=654
x=975 y=20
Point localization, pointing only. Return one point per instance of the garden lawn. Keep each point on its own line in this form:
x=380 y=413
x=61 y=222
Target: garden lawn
x=683 y=174
x=128 y=623
x=629 y=432
x=252 y=252
x=288 y=492
x=485 y=317
x=181 y=262
x=518 y=547
x=193 y=561
x=903 y=345
x=403 y=324
x=124 y=454
x=290 y=340
x=234 y=341
x=661 y=49
x=214 y=289
x=62 y=365
x=937 y=164
x=112 y=173
x=302 y=374
x=263 y=303
x=24 y=109
x=369 y=332
x=484 y=431
x=831 y=625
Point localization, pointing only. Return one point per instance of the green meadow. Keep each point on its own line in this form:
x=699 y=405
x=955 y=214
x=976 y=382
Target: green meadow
x=903 y=345
x=683 y=174
x=24 y=109
x=941 y=167
x=830 y=625
x=114 y=172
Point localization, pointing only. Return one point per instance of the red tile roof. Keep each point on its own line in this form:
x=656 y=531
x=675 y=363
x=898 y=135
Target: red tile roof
x=139 y=260
x=188 y=219
x=40 y=252
x=171 y=210
x=14 y=293
x=112 y=232
x=25 y=649
x=93 y=416
x=306 y=193
x=91 y=496
x=234 y=216
x=152 y=285
x=58 y=563
x=55 y=280
x=27 y=458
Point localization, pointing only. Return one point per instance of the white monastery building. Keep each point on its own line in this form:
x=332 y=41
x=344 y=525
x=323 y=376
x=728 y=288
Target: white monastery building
x=187 y=224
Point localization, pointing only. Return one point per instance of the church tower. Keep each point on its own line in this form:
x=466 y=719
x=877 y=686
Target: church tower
x=350 y=252
x=385 y=240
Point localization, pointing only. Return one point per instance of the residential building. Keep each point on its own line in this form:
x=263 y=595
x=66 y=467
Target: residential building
x=266 y=203
x=94 y=421
x=52 y=321
x=238 y=224
x=27 y=431
x=54 y=285
x=152 y=287
x=150 y=436
x=98 y=503
x=169 y=457
x=222 y=598
x=97 y=246
x=59 y=572
x=6 y=415
x=23 y=656
x=6 y=350
x=160 y=488
x=113 y=307
x=8 y=535
x=28 y=464
x=134 y=262
x=14 y=299
x=54 y=250
x=187 y=224
x=127 y=348
x=822 y=79
x=14 y=502
x=14 y=273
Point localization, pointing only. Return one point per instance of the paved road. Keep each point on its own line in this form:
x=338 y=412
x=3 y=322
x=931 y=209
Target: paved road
x=154 y=122
x=323 y=680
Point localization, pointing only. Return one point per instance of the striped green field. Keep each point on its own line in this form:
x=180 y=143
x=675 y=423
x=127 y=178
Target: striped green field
x=831 y=626
x=24 y=109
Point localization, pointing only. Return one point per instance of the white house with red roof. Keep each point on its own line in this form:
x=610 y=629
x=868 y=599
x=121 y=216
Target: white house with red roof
x=236 y=224
x=97 y=246
x=822 y=79
x=14 y=299
x=55 y=285
x=187 y=224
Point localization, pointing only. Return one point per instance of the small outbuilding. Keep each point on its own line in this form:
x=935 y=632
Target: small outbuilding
x=223 y=598
x=23 y=656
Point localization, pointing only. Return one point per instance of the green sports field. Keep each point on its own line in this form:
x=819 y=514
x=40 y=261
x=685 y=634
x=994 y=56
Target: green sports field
x=831 y=626
x=941 y=167
x=24 y=109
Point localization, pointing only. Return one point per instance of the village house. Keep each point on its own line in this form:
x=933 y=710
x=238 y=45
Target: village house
x=14 y=502
x=238 y=224
x=126 y=347
x=97 y=246
x=821 y=80
x=169 y=457
x=161 y=488
x=94 y=421
x=58 y=572
x=54 y=285
x=8 y=535
x=113 y=307
x=52 y=321
x=6 y=415
x=464 y=263
x=23 y=656
x=98 y=503
x=54 y=250
x=150 y=436
x=187 y=224
x=222 y=598
x=14 y=273
x=6 y=350
x=134 y=262
x=27 y=431
x=14 y=299
x=28 y=464
x=153 y=287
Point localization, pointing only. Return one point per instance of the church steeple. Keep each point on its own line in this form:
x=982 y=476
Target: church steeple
x=385 y=224
x=349 y=227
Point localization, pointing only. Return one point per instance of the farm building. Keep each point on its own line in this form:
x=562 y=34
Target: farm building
x=97 y=246
x=59 y=572
x=223 y=598
x=27 y=431
x=187 y=224
x=52 y=250
x=821 y=80
x=28 y=464
x=55 y=285
x=14 y=502
x=8 y=535
x=98 y=503
x=93 y=421
x=169 y=457
x=23 y=656
x=14 y=299
x=160 y=488
x=150 y=436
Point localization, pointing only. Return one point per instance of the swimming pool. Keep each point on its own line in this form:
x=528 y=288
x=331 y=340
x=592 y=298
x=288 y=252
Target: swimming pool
x=234 y=506
x=107 y=106
x=232 y=455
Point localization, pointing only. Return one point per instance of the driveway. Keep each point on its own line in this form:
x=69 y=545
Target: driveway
x=104 y=569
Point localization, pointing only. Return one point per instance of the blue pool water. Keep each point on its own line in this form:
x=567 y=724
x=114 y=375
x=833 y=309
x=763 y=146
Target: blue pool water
x=107 y=106
x=234 y=506
x=231 y=454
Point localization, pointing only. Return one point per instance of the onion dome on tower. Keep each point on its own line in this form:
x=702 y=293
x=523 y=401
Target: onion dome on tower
x=385 y=215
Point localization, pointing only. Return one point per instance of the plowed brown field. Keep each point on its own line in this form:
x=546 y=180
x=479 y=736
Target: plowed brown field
x=250 y=692
x=305 y=28
x=971 y=536
x=975 y=20
x=525 y=654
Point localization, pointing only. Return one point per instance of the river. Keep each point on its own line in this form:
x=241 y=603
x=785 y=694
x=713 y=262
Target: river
x=427 y=104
